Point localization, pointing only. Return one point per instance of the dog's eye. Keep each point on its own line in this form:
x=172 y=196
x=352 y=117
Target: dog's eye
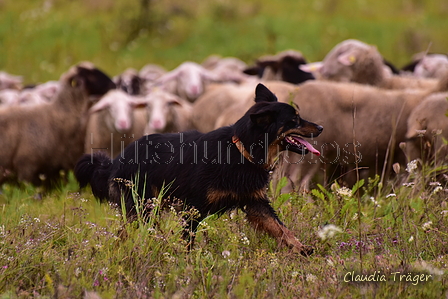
x=291 y=123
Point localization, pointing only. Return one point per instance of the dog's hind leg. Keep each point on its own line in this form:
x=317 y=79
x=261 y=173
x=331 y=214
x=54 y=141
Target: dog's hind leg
x=263 y=217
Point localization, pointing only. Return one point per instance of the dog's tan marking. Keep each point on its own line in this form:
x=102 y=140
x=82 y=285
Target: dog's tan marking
x=155 y=191
x=271 y=226
x=215 y=196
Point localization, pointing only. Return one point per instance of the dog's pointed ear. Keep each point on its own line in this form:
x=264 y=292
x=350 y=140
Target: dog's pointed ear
x=263 y=94
x=262 y=118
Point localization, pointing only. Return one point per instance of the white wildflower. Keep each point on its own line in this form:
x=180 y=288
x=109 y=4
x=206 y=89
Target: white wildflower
x=391 y=195
x=427 y=225
x=444 y=213
x=244 y=239
x=344 y=192
x=420 y=133
x=311 y=277
x=294 y=274
x=411 y=166
x=328 y=231
x=375 y=203
x=2 y=231
x=411 y=238
x=225 y=253
x=168 y=257
x=78 y=271
x=436 y=189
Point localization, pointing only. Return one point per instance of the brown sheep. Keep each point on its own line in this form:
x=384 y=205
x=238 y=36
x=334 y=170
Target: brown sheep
x=427 y=127
x=41 y=141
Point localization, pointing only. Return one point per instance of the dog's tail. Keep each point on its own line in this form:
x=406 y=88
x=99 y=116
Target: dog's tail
x=94 y=170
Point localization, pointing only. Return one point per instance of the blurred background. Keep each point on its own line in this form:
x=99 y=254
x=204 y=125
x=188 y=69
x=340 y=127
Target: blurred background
x=40 y=40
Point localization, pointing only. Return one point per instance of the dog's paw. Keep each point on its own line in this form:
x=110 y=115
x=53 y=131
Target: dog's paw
x=306 y=250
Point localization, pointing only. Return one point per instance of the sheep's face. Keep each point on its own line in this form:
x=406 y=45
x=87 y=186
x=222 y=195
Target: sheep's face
x=119 y=107
x=160 y=110
x=430 y=64
x=340 y=62
x=190 y=81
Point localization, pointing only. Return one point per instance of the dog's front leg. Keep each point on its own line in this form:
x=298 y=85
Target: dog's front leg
x=263 y=217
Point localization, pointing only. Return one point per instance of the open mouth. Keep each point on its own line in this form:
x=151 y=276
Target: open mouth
x=301 y=144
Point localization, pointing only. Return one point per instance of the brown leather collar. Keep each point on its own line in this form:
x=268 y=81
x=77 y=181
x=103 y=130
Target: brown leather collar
x=240 y=147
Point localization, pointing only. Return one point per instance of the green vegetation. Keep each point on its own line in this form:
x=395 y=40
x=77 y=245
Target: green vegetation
x=67 y=243
x=41 y=39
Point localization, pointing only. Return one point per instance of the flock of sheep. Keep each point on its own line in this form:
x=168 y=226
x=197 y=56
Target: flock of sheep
x=374 y=114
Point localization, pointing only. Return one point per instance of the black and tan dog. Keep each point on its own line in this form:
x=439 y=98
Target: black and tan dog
x=214 y=172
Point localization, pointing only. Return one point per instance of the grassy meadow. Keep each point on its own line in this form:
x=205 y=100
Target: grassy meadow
x=67 y=245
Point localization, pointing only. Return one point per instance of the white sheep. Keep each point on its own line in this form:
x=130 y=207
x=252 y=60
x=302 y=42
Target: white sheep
x=38 y=94
x=187 y=80
x=227 y=68
x=355 y=61
x=9 y=97
x=167 y=113
x=432 y=66
x=114 y=123
x=8 y=81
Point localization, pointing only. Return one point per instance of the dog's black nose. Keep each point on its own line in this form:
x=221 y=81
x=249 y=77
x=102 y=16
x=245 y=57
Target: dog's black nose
x=320 y=128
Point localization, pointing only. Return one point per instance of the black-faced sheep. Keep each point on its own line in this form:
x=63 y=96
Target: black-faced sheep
x=283 y=66
x=39 y=142
x=115 y=122
x=130 y=82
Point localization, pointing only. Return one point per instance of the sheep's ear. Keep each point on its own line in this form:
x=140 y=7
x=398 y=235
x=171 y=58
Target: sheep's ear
x=139 y=104
x=262 y=118
x=174 y=100
x=311 y=67
x=263 y=94
x=347 y=59
x=101 y=105
x=208 y=75
x=169 y=76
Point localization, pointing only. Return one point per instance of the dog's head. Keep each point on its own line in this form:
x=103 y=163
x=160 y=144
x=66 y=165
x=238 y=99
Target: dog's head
x=278 y=125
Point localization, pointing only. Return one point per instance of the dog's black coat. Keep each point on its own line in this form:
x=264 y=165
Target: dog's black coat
x=207 y=171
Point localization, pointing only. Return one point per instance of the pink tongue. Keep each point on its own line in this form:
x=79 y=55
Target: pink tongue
x=307 y=144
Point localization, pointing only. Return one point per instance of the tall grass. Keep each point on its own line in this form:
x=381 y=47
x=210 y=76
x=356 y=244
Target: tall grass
x=68 y=244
